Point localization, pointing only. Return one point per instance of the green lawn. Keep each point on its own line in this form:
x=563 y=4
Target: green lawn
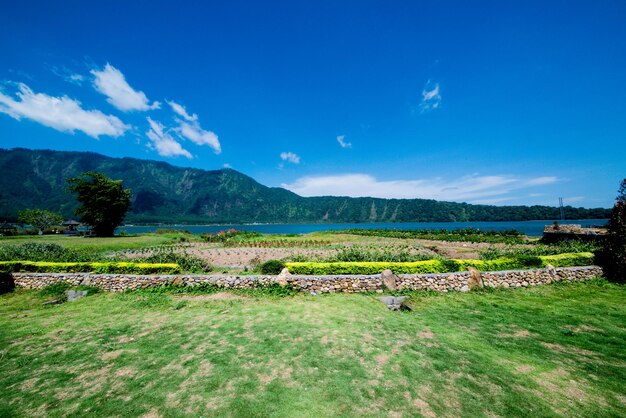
x=547 y=351
x=118 y=243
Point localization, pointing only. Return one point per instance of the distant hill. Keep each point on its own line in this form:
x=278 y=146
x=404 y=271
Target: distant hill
x=162 y=193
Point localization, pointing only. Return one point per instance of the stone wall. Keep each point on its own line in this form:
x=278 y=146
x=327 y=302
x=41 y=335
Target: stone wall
x=319 y=284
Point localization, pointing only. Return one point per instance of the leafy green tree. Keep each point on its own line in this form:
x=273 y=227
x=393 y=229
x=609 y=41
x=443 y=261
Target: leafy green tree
x=39 y=218
x=612 y=257
x=103 y=202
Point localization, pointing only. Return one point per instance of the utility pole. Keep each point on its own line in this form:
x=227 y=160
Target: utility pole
x=561 y=209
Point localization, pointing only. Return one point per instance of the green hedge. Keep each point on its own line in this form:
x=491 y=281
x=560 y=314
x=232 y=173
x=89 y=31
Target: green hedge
x=94 y=267
x=567 y=259
x=441 y=266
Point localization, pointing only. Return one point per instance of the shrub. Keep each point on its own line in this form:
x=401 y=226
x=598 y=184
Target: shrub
x=187 y=262
x=568 y=259
x=440 y=266
x=371 y=267
x=271 y=267
x=95 y=267
x=612 y=256
x=7 y=284
x=39 y=251
x=173 y=231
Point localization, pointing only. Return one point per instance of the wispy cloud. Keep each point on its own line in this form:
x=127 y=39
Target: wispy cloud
x=431 y=97
x=290 y=157
x=189 y=127
x=573 y=199
x=474 y=188
x=540 y=181
x=181 y=111
x=60 y=113
x=163 y=142
x=342 y=142
x=68 y=75
x=111 y=82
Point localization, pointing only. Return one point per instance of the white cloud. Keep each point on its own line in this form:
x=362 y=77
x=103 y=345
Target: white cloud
x=431 y=98
x=342 y=141
x=181 y=111
x=112 y=83
x=61 y=113
x=468 y=188
x=226 y=165
x=199 y=136
x=190 y=128
x=163 y=142
x=290 y=157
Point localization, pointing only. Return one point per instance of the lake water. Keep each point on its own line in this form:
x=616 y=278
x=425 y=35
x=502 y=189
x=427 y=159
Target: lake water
x=531 y=228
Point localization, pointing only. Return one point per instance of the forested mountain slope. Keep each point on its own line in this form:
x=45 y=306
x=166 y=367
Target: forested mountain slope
x=168 y=194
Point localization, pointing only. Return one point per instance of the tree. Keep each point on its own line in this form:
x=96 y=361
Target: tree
x=104 y=202
x=612 y=256
x=39 y=218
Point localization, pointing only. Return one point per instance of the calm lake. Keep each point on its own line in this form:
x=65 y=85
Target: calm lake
x=531 y=228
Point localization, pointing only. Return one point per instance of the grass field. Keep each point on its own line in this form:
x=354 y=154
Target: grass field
x=93 y=244
x=548 y=351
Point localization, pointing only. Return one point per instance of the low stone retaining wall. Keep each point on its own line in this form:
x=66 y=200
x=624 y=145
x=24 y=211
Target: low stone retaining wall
x=444 y=282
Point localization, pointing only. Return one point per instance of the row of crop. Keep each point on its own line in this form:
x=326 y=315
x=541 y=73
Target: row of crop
x=275 y=244
x=441 y=266
x=89 y=267
x=458 y=235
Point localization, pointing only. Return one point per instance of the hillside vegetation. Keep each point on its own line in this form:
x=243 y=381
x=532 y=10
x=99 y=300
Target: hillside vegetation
x=162 y=193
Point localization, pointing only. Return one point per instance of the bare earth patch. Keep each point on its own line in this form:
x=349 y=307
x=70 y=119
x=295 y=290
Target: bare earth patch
x=524 y=368
x=426 y=333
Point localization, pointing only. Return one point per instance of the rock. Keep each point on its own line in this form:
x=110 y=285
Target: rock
x=395 y=303
x=52 y=302
x=551 y=271
x=72 y=295
x=465 y=288
x=389 y=279
x=475 y=280
x=281 y=279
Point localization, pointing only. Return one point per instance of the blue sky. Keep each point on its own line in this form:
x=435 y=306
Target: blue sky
x=489 y=102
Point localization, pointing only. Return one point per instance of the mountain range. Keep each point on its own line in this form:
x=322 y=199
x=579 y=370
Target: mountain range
x=163 y=193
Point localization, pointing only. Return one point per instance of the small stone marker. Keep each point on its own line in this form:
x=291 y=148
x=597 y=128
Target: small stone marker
x=551 y=271
x=475 y=280
x=281 y=279
x=389 y=279
x=395 y=303
x=72 y=295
